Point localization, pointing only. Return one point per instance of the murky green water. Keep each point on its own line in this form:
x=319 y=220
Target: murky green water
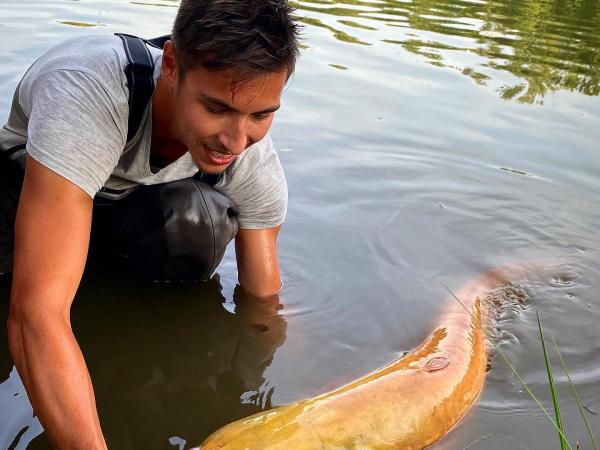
x=421 y=140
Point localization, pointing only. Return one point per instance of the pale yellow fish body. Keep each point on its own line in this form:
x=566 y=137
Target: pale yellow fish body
x=408 y=404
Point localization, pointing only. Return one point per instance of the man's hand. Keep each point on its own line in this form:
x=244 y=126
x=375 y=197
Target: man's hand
x=256 y=254
x=51 y=241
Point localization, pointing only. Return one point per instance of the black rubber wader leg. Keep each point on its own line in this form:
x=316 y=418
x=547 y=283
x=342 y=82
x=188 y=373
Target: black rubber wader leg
x=175 y=231
x=11 y=181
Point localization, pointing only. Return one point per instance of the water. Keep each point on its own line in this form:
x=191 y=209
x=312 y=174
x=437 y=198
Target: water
x=421 y=140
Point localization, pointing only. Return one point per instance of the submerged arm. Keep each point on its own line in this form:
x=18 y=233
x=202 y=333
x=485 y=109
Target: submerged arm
x=258 y=267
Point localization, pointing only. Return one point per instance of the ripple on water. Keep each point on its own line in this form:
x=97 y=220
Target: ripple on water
x=377 y=207
x=505 y=302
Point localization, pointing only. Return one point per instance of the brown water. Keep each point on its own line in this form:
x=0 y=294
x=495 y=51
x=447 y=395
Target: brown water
x=421 y=140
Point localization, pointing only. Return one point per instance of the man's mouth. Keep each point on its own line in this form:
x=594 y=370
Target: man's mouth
x=218 y=158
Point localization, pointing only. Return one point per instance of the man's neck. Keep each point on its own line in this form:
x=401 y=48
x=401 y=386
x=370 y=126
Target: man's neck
x=164 y=147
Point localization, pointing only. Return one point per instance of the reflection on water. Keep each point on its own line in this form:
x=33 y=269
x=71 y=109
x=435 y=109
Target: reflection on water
x=338 y=34
x=404 y=166
x=74 y=23
x=170 y=359
x=547 y=45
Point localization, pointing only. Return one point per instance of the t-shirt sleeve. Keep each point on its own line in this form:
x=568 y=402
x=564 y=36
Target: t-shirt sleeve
x=76 y=128
x=258 y=187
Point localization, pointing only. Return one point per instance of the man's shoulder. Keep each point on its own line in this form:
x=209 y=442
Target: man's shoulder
x=91 y=52
x=257 y=185
x=100 y=57
x=76 y=100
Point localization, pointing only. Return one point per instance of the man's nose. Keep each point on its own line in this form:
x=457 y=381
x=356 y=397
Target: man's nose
x=235 y=136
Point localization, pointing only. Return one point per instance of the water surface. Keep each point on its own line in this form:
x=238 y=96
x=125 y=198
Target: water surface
x=421 y=140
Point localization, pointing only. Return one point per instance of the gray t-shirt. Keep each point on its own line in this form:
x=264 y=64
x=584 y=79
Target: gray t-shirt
x=71 y=108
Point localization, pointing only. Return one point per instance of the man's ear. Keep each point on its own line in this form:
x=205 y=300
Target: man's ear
x=169 y=67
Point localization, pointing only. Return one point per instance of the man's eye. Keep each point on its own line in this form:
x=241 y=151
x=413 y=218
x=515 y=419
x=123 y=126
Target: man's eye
x=214 y=109
x=261 y=116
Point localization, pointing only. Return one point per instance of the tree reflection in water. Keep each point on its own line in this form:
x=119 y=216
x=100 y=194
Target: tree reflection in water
x=548 y=45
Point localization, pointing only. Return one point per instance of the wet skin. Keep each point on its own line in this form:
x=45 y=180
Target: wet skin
x=408 y=404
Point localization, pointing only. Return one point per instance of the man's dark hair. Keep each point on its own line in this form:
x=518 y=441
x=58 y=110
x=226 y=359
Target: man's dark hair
x=252 y=37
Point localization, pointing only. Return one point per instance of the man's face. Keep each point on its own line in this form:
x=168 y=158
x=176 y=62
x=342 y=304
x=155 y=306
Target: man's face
x=217 y=125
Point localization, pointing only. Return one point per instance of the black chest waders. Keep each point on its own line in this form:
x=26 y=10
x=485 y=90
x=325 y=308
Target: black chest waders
x=11 y=180
x=175 y=231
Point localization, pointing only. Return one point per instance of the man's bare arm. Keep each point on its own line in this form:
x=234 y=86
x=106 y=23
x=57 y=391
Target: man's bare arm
x=51 y=242
x=258 y=267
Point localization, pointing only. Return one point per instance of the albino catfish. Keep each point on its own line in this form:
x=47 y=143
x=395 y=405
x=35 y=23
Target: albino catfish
x=408 y=404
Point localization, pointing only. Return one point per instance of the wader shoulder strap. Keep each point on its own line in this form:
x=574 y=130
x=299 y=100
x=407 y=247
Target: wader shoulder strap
x=140 y=80
x=158 y=42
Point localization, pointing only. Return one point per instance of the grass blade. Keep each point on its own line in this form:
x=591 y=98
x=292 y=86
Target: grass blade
x=510 y=365
x=559 y=424
x=576 y=395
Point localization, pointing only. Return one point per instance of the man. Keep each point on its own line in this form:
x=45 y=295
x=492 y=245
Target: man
x=218 y=83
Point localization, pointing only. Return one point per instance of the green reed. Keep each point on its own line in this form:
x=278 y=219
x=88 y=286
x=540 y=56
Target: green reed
x=576 y=395
x=559 y=424
x=554 y=394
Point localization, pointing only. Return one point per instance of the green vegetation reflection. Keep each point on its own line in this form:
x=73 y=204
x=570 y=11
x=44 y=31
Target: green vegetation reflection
x=547 y=45
x=81 y=24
